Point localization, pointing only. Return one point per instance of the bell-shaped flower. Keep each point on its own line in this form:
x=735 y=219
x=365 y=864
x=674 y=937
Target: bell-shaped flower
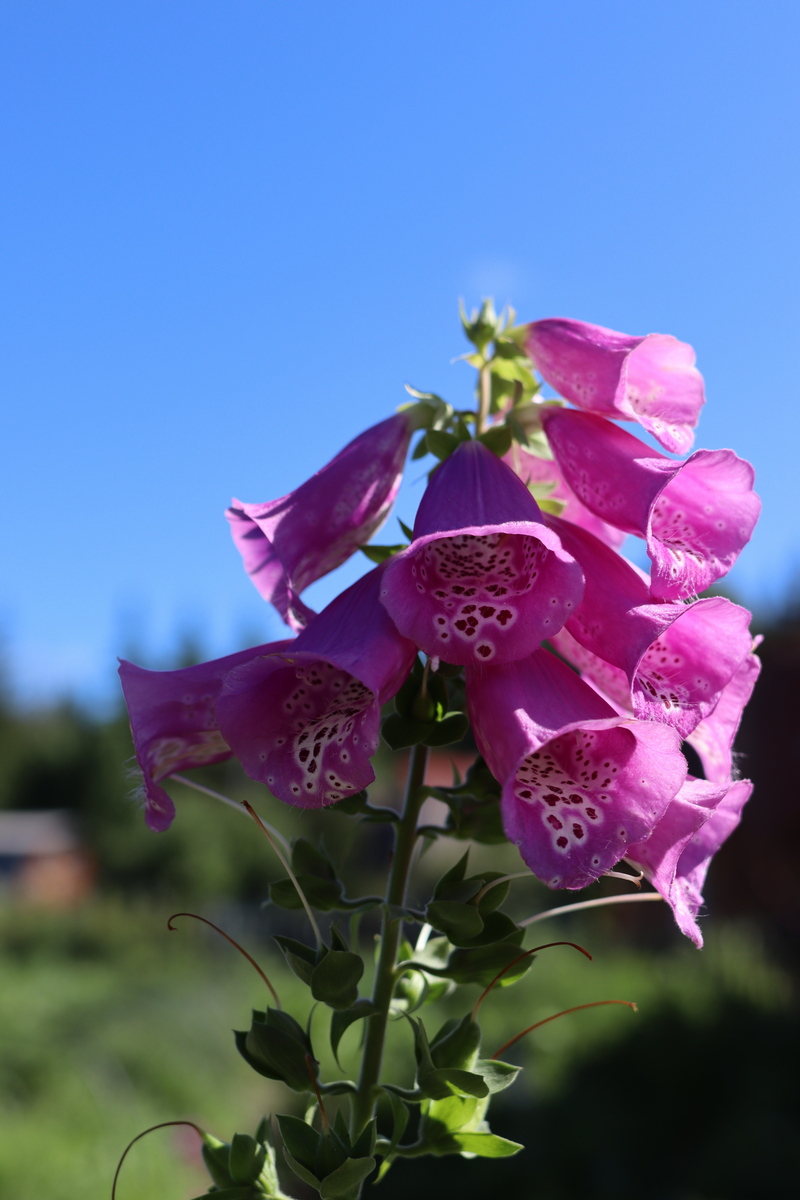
x=713 y=738
x=579 y=783
x=545 y=473
x=173 y=723
x=676 y=855
x=287 y=544
x=676 y=659
x=695 y=516
x=307 y=721
x=652 y=379
x=484 y=579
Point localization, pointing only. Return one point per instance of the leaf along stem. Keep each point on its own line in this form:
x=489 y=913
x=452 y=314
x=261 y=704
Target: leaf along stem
x=375 y=1035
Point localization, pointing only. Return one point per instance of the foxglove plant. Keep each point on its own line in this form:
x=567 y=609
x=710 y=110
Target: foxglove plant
x=580 y=677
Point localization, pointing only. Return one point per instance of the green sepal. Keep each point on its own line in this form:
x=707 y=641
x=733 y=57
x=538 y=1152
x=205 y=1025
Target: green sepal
x=457 y=1044
x=300 y=1171
x=399 y=732
x=481 y=964
x=216 y=1156
x=421 y=449
x=451 y=1115
x=335 y=979
x=455 y=874
x=452 y=727
x=344 y=1181
x=247 y=1158
x=409 y=533
x=497 y=1075
x=234 y=1193
x=440 y=444
x=461 y=923
x=277 y=1046
x=322 y=894
x=301 y=958
x=481 y=326
x=498 y=439
x=380 y=554
x=451 y=1081
x=300 y=1140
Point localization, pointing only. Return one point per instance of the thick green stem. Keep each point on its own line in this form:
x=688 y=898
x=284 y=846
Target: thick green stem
x=372 y=1055
x=484 y=398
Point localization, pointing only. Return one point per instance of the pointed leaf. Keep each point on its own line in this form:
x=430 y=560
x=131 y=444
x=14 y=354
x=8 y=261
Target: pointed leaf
x=379 y=554
x=299 y=1139
x=335 y=980
x=345 y=1179
x=498 y=439
x=342 y=1019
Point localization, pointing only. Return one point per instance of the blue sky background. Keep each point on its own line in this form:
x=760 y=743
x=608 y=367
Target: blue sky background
x=230 y=231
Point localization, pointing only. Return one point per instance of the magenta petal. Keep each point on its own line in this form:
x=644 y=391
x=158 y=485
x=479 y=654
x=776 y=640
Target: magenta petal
x=713 y=738
x=288 y=543
x=652 y=379
x=676 y=855
x=676 y=658
x=484 y=579
x=579 y=782
x=696 y=516
x=532 y=469
x=306 y=722
x=173 y=723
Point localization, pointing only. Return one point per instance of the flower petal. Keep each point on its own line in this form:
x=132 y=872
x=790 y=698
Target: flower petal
x=307 y=722
x=652 y=379
x=579 y=782
x=696 y=516
x=484 y=579
x=534 y=470
x=288 y=543
x=173 y=723
x=677 y=658
x=676 y=855
x=713 y=738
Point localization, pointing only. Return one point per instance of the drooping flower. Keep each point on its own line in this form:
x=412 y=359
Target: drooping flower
x=695 y=516
x=307 y=721
x=545 y=472
x=173 y=723
x=713 y=738
x=652 y=379
x=287 y=544
x=579 y=783
x=676 y=855
x=484 y=579
x=676 y=659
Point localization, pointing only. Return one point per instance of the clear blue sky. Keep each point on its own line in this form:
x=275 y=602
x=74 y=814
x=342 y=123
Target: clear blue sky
x=231 y=230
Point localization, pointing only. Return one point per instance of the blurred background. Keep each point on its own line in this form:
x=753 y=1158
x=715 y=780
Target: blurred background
x=229 y=234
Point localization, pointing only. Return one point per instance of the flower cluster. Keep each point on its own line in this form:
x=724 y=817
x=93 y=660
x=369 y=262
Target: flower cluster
x=583 y=674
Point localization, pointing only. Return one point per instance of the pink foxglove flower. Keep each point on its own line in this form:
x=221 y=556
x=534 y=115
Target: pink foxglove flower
x=696 y=516
x=546 y=471
x=173 y=723
x=713 y=738
x=484 y=579
x=676 y=855
x=652 y=379
x=579 y=783
x=287 y=544
x=306 y=721
x=676 y=659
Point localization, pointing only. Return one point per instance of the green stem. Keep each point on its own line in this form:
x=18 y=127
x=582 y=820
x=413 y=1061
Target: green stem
x=406 y=835
x=484 y=398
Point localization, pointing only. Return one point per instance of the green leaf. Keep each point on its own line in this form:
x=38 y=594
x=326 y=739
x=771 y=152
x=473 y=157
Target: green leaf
x=342 y=1019
x=308 y=859
x=408 y=532
x=216 y=1156
x=441 y=444
x=345 y=1179
x=401 y=1114
x=324 y=894
x=455 y=874
x=480 y=965
x=280 y=1045
x=478 y=1145
x=420 y=450
x=450 y=1115
x=233 y=1193
x=379 y=554
x=335 y=979
x=498 y=439
x=485 y=1145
